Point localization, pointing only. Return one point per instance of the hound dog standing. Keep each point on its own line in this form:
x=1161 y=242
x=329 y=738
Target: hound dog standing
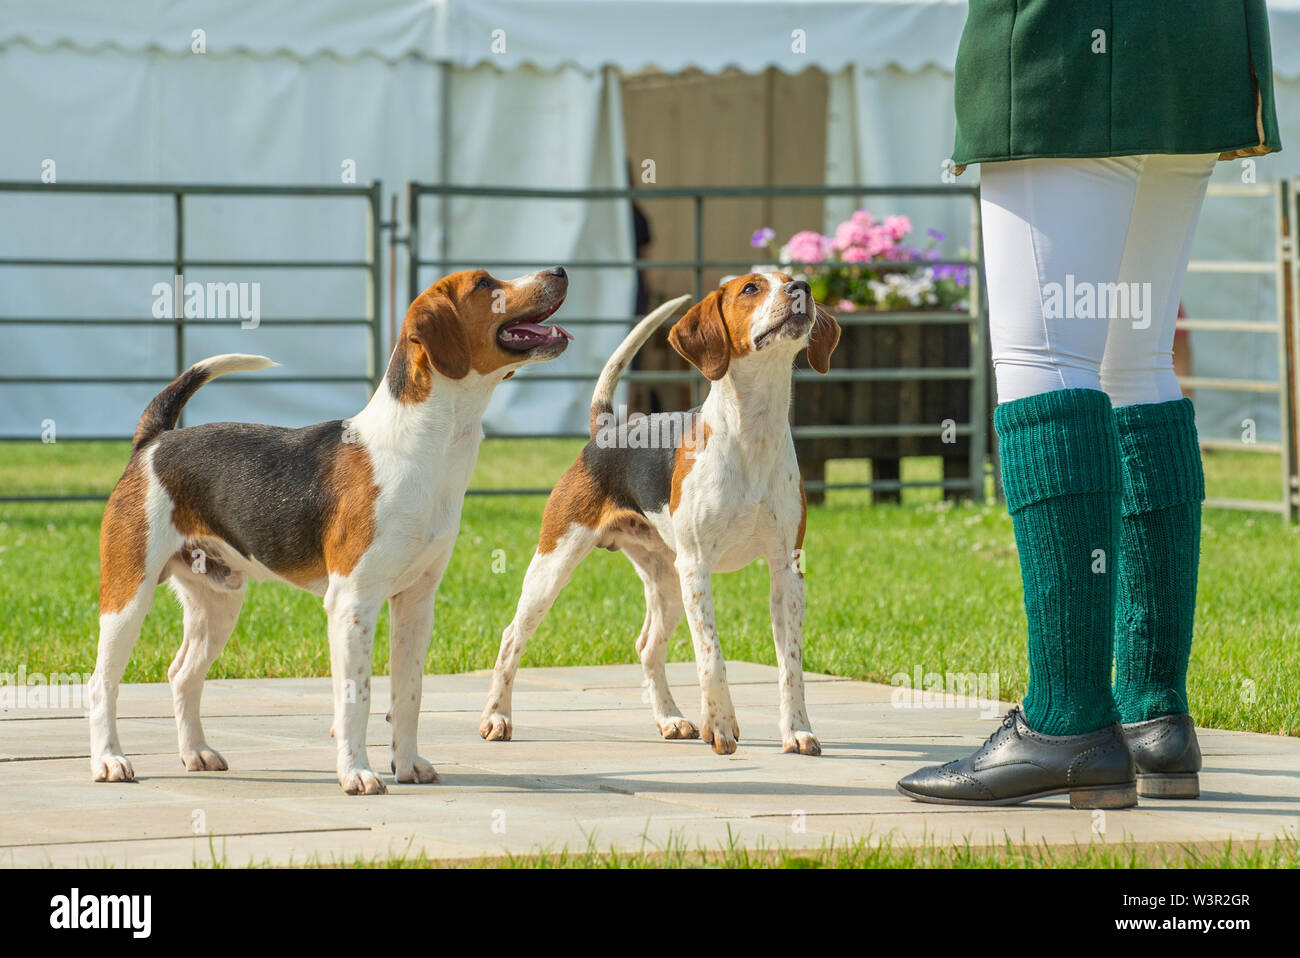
x=723 y=493
x=357 y=511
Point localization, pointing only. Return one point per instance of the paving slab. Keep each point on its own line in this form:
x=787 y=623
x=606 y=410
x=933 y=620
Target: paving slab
x=586 y=766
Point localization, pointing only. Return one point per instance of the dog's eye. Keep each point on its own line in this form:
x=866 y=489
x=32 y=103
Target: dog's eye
x=485 y=283
x=749 y=288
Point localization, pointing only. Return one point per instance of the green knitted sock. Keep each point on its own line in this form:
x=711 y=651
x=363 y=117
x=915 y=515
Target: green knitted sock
x=1061 y=475
x=1160 y=548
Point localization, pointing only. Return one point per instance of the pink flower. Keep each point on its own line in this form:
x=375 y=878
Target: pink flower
x=863 y=218
x=881 y=241
x=849 y=234
x=898 y=226
x=855 y=254
x=806 y=246
x=846 y=306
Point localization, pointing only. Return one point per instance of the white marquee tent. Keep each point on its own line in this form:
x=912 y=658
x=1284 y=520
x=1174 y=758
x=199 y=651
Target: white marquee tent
x=488 y=92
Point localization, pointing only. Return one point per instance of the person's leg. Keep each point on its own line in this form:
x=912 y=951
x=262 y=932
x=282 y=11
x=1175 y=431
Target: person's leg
x=1160 y=454
x=1055 y=234
x=1052 y=229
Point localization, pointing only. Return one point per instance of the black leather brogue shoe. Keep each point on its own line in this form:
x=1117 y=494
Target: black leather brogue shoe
x=1017 y=765
x=1167 y=756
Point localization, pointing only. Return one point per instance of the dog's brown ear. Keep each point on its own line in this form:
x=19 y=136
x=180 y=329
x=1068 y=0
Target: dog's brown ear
x=701 y=337
x=821 y=343
x=434 y=326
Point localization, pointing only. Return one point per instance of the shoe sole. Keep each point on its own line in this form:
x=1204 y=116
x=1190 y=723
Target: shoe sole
x=1093 y=796
x=1169 y=785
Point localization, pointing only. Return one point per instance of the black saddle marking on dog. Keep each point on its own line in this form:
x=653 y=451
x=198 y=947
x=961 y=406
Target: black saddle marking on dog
x=260 y=488
x=639 y=478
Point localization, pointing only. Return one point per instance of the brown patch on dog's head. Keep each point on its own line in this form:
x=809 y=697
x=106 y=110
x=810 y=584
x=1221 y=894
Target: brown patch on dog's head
x=703 y=338
x=472 y=321
x=123 y=540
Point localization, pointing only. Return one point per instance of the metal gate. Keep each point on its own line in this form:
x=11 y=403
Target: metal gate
x=179 y=261
x=1284 y=268
x=1285 y=326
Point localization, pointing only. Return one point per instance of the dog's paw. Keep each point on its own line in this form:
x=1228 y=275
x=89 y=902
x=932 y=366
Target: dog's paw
x=202 y=758
x=722 y=732
x=803 y=742
x=677 y=727
x=112 y=768
x=361 y=781
x=415 y=771
x=496 y=727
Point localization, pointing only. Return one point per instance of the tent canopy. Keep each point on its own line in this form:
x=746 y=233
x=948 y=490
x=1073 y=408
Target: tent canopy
x=627 y=35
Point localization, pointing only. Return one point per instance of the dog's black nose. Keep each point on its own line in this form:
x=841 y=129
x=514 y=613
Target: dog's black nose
x=797 y=286
x=559 y=271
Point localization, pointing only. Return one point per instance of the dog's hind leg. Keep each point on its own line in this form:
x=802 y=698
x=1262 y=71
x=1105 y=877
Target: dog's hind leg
x=117 y=634
x=135 y=543
x=210 y=615
x=663 y=600
x=547 y=574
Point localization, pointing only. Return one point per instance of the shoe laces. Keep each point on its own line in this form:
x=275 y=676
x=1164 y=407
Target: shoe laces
x=1008 y=721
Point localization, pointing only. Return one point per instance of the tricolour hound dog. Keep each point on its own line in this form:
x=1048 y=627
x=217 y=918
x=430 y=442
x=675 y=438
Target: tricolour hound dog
x=723 y=491
x=358 y=511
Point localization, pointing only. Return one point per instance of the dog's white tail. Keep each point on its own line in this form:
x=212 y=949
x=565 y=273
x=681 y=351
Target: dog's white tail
x=602 y=400
x=216 y=366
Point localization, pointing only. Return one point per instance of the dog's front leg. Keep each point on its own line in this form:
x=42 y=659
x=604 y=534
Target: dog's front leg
x=352 y=637
x=718 y=726
x=410 y=629
x=787 y=608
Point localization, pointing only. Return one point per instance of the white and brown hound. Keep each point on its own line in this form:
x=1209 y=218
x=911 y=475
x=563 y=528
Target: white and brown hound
x=723 y=491
x=358 y=511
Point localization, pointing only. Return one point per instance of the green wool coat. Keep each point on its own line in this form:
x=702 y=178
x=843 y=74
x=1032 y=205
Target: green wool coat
x=1080 y=78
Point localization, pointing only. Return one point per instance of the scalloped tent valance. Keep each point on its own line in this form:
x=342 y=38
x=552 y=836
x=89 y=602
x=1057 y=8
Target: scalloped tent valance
x=709 y=35
x=628 y=35
x=388 y=29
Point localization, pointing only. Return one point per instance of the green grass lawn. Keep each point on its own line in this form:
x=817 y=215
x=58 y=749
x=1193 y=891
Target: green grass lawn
x=891 y=588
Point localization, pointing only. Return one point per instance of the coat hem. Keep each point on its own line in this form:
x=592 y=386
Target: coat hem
x=1232 y=153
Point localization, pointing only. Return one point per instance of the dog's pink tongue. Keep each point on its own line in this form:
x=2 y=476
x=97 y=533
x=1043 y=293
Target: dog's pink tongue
x=545 y=332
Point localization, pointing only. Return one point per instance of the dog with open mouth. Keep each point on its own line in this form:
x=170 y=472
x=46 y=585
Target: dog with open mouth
x=358 y=511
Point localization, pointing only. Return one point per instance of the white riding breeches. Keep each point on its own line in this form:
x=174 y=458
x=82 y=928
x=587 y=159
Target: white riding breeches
x=1085 y=260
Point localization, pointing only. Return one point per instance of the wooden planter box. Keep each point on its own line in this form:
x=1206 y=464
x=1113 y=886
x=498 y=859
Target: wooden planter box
x=924 y=403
